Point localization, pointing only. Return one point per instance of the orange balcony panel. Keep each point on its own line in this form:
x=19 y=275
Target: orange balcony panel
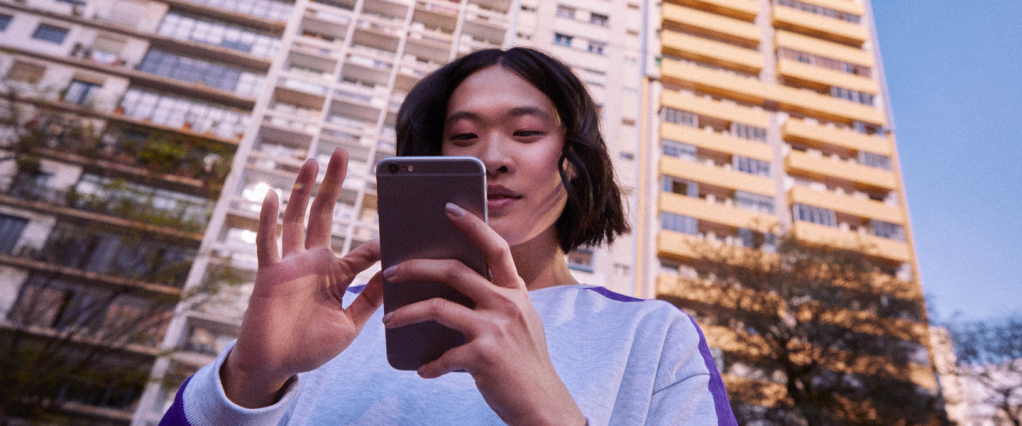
x=717 y=213
x=697 y=20
x=851 y=55
x=704 y=50
x=716 y=109
x=717 y=176
x=796 y=130
x=869 y=244
x=754 y=91
x=675 y=245
x=716 y=141
x=822 y=76
x=745 y=10
x=833 y=29
x=825 y=166
x=847 y=204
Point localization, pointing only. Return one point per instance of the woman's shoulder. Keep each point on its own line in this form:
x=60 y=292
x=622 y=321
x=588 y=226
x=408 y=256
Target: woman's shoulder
x=594 y=305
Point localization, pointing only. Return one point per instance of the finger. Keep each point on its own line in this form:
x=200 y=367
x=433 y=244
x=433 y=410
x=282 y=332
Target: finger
x=494 y=247
x=452 y=360
x=448 y=271
x=266 y=234
x=293 y=238
x=367 y=302
x=443 y=311
x=363 y=256
x=321 y=216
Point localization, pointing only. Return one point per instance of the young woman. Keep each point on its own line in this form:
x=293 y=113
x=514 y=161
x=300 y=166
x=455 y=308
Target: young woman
x=541 y=348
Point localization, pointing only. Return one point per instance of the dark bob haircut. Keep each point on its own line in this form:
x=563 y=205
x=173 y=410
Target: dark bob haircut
x=594 y=213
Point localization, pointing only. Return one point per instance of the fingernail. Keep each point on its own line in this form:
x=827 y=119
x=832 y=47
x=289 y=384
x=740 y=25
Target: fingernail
x=389 y=272
x=453 y=210
x=386 y=318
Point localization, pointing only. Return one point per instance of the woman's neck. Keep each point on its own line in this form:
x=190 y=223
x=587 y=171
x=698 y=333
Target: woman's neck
x=540 y=262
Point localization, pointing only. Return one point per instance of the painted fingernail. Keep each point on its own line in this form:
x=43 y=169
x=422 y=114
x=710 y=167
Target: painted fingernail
x=386 y=318
x=389 y=272
x=453 y=210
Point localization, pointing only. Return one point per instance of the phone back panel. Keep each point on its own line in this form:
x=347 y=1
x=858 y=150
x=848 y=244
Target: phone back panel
x=414 y=225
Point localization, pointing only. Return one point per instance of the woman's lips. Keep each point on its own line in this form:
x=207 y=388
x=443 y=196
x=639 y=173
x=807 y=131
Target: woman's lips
x=499 y=197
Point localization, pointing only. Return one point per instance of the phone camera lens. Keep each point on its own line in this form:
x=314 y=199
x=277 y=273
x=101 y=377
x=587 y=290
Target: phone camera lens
x=393 y=167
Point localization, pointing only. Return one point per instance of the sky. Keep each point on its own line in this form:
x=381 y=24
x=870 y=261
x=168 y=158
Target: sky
x=954 y=74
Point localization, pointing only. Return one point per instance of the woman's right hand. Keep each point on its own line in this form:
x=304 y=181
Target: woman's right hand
x=295 y=320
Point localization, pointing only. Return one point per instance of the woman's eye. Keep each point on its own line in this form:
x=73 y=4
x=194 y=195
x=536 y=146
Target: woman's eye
x=528 y=133
x=463 y=137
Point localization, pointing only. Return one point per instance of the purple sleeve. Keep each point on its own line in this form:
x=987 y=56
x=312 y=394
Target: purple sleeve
x=175 y=416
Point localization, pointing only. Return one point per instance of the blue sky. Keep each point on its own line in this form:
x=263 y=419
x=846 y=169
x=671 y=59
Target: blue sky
x=954 y=72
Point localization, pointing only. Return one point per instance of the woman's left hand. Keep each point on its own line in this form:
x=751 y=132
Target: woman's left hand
x=505 y=349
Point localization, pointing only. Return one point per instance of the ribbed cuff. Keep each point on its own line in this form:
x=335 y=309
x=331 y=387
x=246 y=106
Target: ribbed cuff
x=206 y=403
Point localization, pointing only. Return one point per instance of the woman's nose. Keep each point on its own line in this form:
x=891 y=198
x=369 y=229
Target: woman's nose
x=495 y=155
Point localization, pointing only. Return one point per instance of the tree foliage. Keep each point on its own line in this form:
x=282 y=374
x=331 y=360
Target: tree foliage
x=990 y=357
x=99 y=292
x=822 y=336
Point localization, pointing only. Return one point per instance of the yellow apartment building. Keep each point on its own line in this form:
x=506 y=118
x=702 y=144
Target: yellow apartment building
x=767 y=117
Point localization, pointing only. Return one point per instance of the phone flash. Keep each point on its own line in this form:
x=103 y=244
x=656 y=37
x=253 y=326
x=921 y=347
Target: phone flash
x=411 y=167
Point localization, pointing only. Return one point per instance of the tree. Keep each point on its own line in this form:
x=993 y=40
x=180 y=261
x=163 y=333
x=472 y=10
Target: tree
x=990 y=359
x=823 y=336
x=96 y=294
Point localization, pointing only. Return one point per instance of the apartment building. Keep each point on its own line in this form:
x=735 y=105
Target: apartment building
x=141 y=107
x=761 y=118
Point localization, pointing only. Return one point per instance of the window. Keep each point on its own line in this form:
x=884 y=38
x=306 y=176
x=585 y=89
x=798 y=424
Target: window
x=174 y=111
x=598 y=19
x=751 y=166
x=757 y=240
x=680 y=150
x=887 y=230
x=26 y=72
x=195 y=70
x=754 y=202
x=852 y=95
x=49 y=33
x=679 y=223
x=811 y=8
x=746 y=131
x=597 y=47
x=581 y=259
x=681 y=186
x=814 y=214
x=182 y=27
x=675 y=116
x=562 y=39
x=11 y=228
x=566 y=12
x=41 y=302
x=5 y=20
x=874 y=160
x=270 y=9
x=78 y=92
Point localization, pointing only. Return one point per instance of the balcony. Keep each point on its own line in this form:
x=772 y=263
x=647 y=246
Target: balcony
x=869 y=244
x=716 y=141
x=823 y=167
x=716 y=176
x=824 y=48
x=796 y=130
x=756 y=92
x=814 y=76
x=865 y=208
x=699 y=22
x=708 y=107
x=704 y=50
x=745 y=10
x=832 y=29
x=717 y=213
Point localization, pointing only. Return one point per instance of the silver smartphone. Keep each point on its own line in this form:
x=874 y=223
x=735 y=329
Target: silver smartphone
x=412 y=195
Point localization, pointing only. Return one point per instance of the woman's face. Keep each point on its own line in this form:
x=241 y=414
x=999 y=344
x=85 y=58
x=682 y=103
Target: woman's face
x=511 y=126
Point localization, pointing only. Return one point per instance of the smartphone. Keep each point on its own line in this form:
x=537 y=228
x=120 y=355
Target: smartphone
x=412 y=195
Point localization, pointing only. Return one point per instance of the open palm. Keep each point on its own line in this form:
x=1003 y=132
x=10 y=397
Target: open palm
x=295 y=320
